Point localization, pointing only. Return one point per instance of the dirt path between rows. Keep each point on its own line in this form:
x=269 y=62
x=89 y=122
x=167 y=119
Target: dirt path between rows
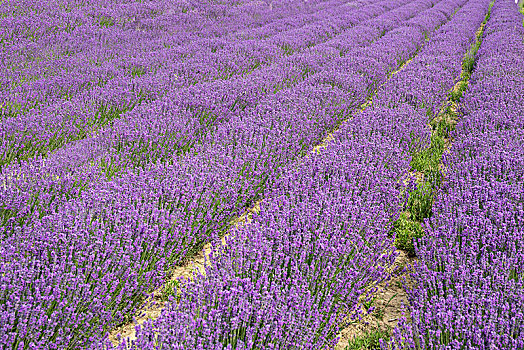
x=387 y=304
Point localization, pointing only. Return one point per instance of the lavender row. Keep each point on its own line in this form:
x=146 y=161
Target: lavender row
x=173 y=124
x=294 y=276
x=53 y=125
x=112 y=48
x=434 y=72
x=470 y=277
x=118 y=240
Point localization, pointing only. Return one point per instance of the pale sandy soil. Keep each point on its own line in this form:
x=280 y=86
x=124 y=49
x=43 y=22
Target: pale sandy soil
x=387 y=304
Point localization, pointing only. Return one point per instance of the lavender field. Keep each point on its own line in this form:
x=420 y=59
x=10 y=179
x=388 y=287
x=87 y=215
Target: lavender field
x=346 y=174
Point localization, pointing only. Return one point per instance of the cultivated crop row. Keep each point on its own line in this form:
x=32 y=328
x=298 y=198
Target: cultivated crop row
x=76 y=268
x=44 y=115
x=469 y=282
x=294 y=276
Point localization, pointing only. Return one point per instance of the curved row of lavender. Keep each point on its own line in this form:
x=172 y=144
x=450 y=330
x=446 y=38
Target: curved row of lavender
x=58 y=48
x=186 y=117
x=59 y=109
x=469 y=281
x=294 y=276
x=70 y=275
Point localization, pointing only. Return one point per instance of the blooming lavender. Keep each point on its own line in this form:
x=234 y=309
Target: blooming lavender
x=469 y=286
x=294 y=276
x=91 y=229
x=101 y=246
x=81 y=265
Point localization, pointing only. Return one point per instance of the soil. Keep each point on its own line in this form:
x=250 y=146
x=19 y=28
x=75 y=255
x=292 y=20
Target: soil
x=152 y=307
x=388 y=302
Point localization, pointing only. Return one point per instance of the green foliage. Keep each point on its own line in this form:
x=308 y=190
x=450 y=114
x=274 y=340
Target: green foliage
x=469 y=61
x=288 y=50
x=514 y=275
x=406 y=230
x=109 y=168
x=428 y=160
x=442 y=127
x=370 y=340
x=137 y=71
x=106 y=21
x=368 y=304
x=456 y=94
x=420 y=201
x=171 y=289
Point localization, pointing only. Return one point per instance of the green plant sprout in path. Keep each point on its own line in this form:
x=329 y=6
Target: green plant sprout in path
x=427 y=162
x=406 y=230
x=370 y=340
x=171 y=289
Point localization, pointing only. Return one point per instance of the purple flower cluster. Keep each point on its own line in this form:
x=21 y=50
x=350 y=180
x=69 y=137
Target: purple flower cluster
x=469 y=281
x=79 y=252
x=293 y=276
